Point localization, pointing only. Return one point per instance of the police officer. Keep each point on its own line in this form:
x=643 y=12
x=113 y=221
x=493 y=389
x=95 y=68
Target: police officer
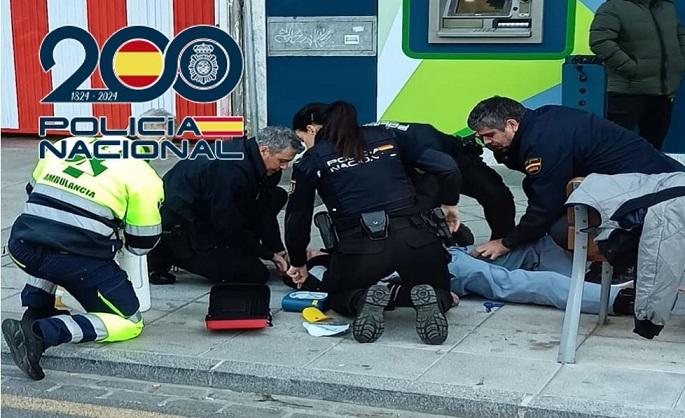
x=551 y=145
x=219 y=216
x=68 y=235
x=479 y=180
x=361 y=178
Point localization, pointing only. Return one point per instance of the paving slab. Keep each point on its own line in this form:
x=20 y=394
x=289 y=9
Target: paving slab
x=622 y=327
x=532 y=318
x=624 y=386
x=286 y=343
x=400 y=331
x=182 y=332
x=10 y=294
x=681 y=402
x=521 y=345
x=376 y=360
x=655 y=355
x=483 y=371
x=12 y=278
x=12 y=304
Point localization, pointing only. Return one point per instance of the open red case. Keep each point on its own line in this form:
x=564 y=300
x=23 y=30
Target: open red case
x=238 y=306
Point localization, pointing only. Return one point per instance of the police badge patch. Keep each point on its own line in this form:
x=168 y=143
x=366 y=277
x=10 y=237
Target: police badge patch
x=533 y=166
x=203 y=66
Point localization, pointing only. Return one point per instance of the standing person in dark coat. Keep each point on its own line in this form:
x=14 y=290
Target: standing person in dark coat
x=219 y=216
x=551 y=145
x=643 y=47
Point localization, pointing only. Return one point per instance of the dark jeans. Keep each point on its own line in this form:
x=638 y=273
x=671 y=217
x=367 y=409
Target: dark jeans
x=648 y=115
x=221 y=264
x=358 y=263
x=480 y=182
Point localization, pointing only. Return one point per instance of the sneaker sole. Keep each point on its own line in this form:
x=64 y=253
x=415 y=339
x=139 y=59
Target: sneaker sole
x=431 y=324
x=368 y=326
x=11 y=331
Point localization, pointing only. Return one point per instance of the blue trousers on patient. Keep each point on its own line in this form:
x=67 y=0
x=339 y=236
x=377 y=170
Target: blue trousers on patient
x=538 y=273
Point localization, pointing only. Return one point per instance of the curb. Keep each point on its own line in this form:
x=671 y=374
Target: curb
x=372 y=391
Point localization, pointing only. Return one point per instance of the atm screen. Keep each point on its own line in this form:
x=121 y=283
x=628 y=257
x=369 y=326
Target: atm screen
x=481 y=7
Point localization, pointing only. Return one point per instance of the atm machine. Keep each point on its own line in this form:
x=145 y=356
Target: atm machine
x=485 y=21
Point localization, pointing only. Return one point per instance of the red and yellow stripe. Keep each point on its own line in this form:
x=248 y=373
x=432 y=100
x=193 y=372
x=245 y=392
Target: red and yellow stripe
x=220 y=126
x=138 y=63
x=384 y=147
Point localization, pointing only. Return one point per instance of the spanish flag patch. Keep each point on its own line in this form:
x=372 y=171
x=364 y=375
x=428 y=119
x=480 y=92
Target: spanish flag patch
x=382 y=148
x=533 y=166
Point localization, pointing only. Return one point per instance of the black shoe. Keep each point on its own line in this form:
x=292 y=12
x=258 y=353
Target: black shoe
x=368 y=326
x=431 y=324
x=161 y=278
x=32 y=314
x=624 y=275
x=624 y=304
x=26 y=347
x=620 y=275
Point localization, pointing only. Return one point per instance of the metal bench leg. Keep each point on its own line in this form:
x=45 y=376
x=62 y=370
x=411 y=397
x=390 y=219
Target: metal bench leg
x=569 y=332
x=607 y=273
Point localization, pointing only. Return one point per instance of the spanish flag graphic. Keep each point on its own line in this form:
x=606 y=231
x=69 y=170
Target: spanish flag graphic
x=138 y=64
x=220 y=126
x=384 y=147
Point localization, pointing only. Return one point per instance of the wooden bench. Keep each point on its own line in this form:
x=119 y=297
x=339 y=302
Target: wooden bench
x=580 y=218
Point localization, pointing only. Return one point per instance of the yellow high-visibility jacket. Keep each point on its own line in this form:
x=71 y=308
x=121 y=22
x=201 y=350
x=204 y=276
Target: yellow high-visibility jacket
x=81 y=205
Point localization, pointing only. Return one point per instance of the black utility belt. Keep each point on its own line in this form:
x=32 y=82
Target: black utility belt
x=376 y=224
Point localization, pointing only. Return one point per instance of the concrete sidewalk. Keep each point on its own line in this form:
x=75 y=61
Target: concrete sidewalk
x=493 y=364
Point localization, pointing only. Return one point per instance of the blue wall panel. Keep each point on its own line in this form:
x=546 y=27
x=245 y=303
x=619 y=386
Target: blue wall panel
x=295 y=81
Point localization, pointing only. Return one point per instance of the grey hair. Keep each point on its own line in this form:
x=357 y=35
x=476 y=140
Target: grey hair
x=493 y=113
x=278 y=138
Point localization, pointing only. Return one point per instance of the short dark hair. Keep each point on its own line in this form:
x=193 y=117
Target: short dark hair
x=493 y=113
x=309 y=114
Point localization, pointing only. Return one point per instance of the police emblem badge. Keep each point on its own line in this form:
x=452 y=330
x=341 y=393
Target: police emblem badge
x=203 y=66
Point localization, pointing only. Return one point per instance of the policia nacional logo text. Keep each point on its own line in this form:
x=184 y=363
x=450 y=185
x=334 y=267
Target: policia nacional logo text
x=342 y=162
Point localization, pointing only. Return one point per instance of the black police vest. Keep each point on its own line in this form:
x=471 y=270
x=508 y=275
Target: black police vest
x=377 y=182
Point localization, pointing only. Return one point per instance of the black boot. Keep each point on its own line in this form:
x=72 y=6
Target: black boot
x=161 y=278
x=27 y=348
x=368 y=326
x=431 y=324
x=624 y=304
x=620 y=275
